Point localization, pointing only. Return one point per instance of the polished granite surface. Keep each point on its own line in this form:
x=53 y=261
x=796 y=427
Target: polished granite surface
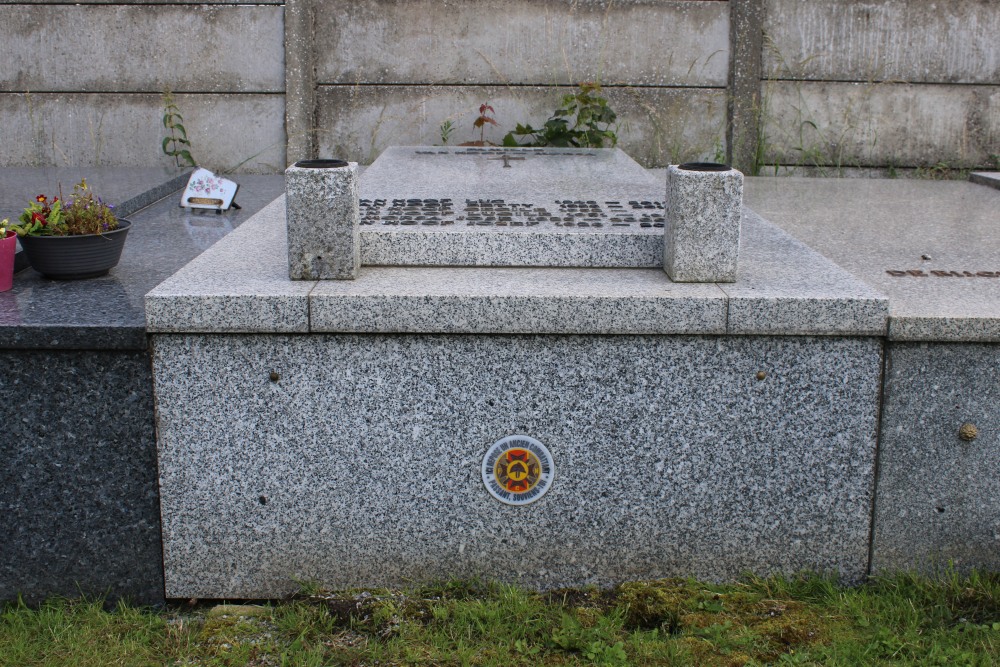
x=931 y=247
x=107 y=312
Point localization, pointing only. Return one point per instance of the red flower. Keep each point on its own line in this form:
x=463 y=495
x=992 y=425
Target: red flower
x=40 y=198
x=39 y=218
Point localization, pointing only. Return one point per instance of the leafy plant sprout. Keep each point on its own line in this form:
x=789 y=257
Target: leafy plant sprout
x=175 y=144
x=447 y=127
x=583 y=120
x=485 y=116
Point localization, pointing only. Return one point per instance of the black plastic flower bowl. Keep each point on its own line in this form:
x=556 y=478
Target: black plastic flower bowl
x=321 y=164
x=76 y=257
x=703 y=166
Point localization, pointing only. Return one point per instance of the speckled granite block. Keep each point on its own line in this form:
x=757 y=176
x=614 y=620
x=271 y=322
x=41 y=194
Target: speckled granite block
x=239 y=284
x=505 y=300
x=79 y=506
x=988 y=178
x=702 y=233
x=321 y=204
x=937 y=493
x=786 y=288
x=359 y=464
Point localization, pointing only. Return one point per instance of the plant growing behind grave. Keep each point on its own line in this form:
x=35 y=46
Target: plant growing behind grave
x=176 y=144
x=584 y=119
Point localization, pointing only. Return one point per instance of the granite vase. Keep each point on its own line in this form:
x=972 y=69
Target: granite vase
x=78 y=256
x=702 y=228
x=8 y=247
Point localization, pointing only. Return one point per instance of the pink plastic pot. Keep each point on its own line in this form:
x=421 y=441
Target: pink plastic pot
x=8 y=246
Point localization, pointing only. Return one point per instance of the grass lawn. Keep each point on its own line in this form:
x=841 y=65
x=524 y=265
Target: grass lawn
x=902 y=620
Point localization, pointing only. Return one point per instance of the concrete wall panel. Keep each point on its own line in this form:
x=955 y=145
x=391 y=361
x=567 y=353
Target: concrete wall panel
x=96 y=129
x=897 y=40
x=660 y=125
x=854 y=124
x=637 y=42
x=142 y=48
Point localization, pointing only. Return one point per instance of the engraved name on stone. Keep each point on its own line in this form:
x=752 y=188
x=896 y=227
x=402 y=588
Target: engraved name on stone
x=500 y=213
x=918 y=273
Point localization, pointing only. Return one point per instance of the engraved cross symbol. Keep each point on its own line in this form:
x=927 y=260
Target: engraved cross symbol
x=506 y=159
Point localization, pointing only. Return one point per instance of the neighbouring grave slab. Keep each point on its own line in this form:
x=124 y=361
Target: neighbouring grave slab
x=937 y=491
x=988 y=178
x=354 y=459
x=932 y=248
x=79 y=500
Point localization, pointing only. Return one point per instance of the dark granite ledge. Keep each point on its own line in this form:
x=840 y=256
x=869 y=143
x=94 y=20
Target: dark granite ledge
x=107 y=313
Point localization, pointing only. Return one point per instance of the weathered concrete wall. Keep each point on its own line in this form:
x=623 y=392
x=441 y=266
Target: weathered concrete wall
x=832 y=83
x=660 y=125
x=82 y=84
x=882 y=84
x=390 y=72
x=124 y=129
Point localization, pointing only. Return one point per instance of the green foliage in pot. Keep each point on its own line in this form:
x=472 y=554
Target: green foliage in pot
x=84 y=214
x=583 y=120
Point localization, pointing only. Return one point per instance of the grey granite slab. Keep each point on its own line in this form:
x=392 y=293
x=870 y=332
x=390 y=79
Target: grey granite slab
x=784 y=287
x=79 y=501
x=509 y=300
x=108 y=312
x=937 y=493
x=353 y=460
x=931 y=247
x=548 y=207
x=989 y=178
x=240 y=284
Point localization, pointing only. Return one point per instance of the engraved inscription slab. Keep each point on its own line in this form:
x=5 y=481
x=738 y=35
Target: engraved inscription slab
x=440 y=206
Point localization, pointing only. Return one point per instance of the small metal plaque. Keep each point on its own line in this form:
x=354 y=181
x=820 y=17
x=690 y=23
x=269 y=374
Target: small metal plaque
x=518 y=470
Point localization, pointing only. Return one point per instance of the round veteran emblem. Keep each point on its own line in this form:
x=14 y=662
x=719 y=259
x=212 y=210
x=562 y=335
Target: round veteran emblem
x=518 y=470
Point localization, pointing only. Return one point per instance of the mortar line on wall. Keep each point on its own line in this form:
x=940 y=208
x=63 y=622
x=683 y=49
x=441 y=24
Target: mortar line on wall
x=889 y=82
x=137 y=93
x=354 y=84
x=265 y=3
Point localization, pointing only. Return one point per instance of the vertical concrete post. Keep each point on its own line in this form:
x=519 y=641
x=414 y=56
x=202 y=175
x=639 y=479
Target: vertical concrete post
x=323 y=219
x=744 y=106
x=701 y=237
x=300 y=80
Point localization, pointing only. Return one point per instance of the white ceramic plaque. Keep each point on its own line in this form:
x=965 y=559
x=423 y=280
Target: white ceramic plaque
x=206 y=190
